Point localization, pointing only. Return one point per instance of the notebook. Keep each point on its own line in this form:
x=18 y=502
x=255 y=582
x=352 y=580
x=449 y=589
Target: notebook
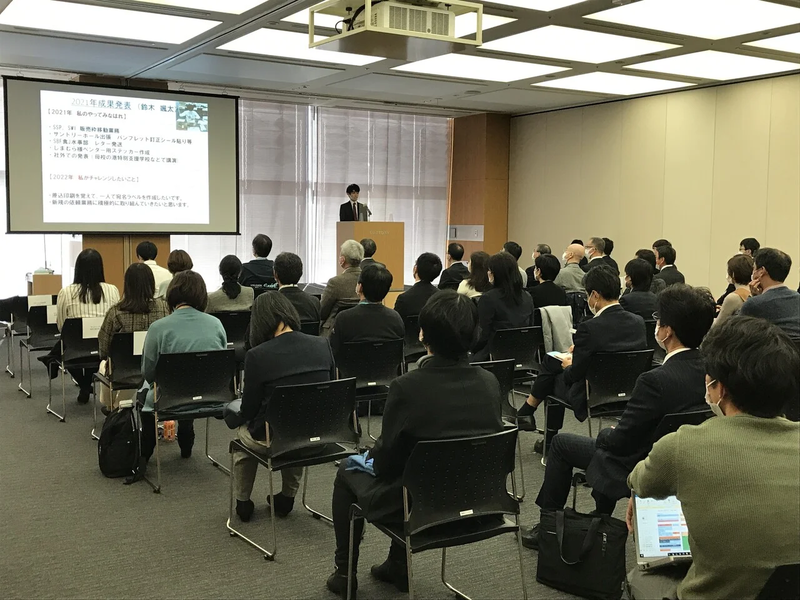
x=660 y=532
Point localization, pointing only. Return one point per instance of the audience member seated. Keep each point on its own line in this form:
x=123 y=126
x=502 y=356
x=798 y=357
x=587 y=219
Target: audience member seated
x=571 y=276
x=685 y=315
x=584 y=261
x=747 y=247
x=477 y=283
x=146 y=253
x=88 y=296
x=540 y=249
x=281 y=355
x=177 y=261
x=660 y=242
x=288 y=270
x=613 y=329
x=515 y=250
x=505 y=306
x=426 y=269
x=370 y=248
x=445 y=398
x=772 y=299
x=370 y=321
x=258 y=272
x=607 y=250
x=656 y=285
x=547 y=293
x=341 y=287
x=740 y=269
x=736 y=474
x=665 y=261
x=137 y=310
x=455 y=271
x=187 y=329
x=640 y=300
x=231 y=296
x=594 y=252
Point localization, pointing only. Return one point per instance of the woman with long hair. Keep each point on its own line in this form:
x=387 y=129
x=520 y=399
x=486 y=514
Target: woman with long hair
x=231 y=296
x=478 y=281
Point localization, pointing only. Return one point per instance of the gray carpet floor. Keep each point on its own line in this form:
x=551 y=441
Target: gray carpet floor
x=68 y=532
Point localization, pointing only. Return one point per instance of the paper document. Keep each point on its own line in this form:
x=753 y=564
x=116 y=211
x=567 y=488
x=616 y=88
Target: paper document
x=560 y=355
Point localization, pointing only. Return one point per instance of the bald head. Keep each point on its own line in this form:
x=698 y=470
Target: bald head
x=574 y=253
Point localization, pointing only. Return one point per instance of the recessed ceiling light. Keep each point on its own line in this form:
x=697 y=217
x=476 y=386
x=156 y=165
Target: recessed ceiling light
x=710 y=64
x=478 y=67
x=233 y=7
x=87 y=19
x=467 y=24
x=542 y=5
x=784 y=43
x=575 y=44
x=289 y=44
x=612 y=83
x=709 y=19
x=320 y=19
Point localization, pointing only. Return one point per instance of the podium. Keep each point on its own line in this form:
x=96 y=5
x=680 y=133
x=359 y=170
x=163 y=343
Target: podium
x=43 y=284
x=389 y=238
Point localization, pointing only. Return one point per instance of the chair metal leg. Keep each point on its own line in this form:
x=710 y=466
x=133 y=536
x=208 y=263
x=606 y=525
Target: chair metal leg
x=574 y=494
x=156 y=486
x=521 y=561
x=10 y=365
x=369 y=418
x=94 y=409
x=268 y=555
x=314 y=513
x=589 y=420
x=459 y=594
x=409 y=569
x=63 y=417
x=544 y=443
x=213 y=460
x=521 y=496
x=353 y=518
x=21 y=385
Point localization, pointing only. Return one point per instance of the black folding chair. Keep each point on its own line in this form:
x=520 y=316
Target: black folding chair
x=523 y=345
x=308 y=424
x=374 y=365
x=310 y=327
x=7 y=322
x=658 y=352
x=42 y=336
x=18 y=327
x=413 y=349
x=579 y=303
x=76 y=352
x=235 y=324
x=192 y=385
x=124 y=372
x=458 y=491
x=783 y=584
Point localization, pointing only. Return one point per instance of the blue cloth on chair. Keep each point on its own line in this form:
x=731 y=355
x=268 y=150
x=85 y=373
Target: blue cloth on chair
x=360 y=462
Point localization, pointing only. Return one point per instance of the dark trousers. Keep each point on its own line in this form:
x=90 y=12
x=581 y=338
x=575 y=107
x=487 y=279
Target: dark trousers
x=567 y=452
x=550 y=382
x=348 y=487
x=83 y=377
x=185 y=434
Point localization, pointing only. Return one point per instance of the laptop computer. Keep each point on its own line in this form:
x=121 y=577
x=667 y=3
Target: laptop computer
x=660 y=531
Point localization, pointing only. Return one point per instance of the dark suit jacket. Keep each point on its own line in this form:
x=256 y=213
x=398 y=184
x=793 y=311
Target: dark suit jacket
x=671 y=276
x=452 y=276
x=640 y=303
x=346 y=212
x=366 y=323
x=677 y=386
x=548 y=293
x=495 y=312
x=530 y=272
x=615 y=330
x=611 y=263
x=308 y=306
x=289 y=359
x=257 y=272
x=593 y=263
x=412 y=301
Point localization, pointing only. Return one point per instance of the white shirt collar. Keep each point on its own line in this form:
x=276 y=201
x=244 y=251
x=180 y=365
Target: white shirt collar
x=667 y=267
x=150 y=262
x=288 y=285
x=594 y=258
x=600 y=312
x=673 y=353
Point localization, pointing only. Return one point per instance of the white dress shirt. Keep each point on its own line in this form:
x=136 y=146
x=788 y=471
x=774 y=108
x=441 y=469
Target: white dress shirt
x=160 y=274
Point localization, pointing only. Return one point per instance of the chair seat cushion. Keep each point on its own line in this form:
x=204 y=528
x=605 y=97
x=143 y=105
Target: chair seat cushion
x=306 y=457
x=458 y=533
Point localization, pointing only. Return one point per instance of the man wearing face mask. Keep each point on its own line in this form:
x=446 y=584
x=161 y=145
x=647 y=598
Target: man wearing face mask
x=771 y=297
x=736 y=475
x=570 y=278
x=594 y=253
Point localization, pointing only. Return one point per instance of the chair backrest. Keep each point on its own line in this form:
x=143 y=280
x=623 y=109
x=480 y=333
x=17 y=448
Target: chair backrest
x=310 y=327
x=125 y=367
x=6 y=304
x=650 y=331
x=235 y=324
x=520 y=344
x=344 y=304
x=462 y=478
x=77 y=350
x=412 y=344
x=195 y=379
x=671 y=422
x=42 y=333
x=312 y=415
x=373 y=364
x=579 y=303
x=783 y=584
x=504 y=371
x=19 y=313
x=611 y=376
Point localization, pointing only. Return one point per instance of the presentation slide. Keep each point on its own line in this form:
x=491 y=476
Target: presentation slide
x=119 y=160
x=661 y=528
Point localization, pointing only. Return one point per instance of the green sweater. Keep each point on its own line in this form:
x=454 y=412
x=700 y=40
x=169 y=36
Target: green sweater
x=738 y=480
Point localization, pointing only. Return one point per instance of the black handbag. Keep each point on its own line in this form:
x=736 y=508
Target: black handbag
x=582 y=554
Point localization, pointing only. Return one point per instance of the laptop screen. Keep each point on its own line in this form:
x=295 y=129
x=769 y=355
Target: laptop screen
x=661 y=530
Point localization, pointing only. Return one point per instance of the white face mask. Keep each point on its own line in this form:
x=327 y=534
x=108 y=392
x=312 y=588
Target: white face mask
x=587 y=252
x=593 y=309
x=564 y=258
x=715 y=408
x=658 y=341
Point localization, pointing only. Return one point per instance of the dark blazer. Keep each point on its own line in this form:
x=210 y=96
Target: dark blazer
x=308 y=306
x=548 y=293
x=452 y=276
x=495 y=312
x=593 y=263
x=640 y=303
x=611 y=263
x=531 y=273
x=440 y=400
x=412 y=301
x=678 y=386
x=366 y=323
x=257 y=272
x=346 y=212
x=615 y=330
x=289 y=359
x=670 y=275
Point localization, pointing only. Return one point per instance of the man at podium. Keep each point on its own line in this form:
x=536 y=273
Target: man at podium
x=353 y=210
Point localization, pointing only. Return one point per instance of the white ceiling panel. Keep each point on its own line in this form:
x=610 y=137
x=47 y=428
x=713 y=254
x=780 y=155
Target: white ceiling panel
x=376 y=84
x=514 y=100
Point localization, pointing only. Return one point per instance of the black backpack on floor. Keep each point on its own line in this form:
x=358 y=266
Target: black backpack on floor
x=118 y=449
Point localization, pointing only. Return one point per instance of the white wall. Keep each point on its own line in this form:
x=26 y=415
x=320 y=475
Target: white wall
x=701 y=168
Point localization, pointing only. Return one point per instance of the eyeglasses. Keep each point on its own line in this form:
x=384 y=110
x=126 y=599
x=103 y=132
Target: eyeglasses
x=655 y=316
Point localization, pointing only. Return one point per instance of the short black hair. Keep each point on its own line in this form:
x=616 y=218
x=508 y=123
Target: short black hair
x=577 y=241
x=146 y=251
x=661 y=242
x=288 y=268
x=602 y=280
x=370 y=247
x=757 y=363
x=262 y=245
x=375 y=280
x=353 y=187
x=740 y=269
x=750 y=244
x=448 y=322
x=688 y=310
x=641 y=274
x=428 y=266
x=187 y=287
x=269 y=311
x=455 y=251
x=649 y=256
x=543 y=249
x=776 y=262
x=548 y=266
x=667 y=253
x=609 y=246
x=514 y=249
